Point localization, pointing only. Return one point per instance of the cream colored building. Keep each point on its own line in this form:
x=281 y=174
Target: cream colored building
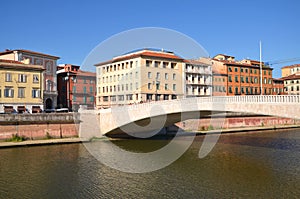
x=21 y=87
x=138 y=77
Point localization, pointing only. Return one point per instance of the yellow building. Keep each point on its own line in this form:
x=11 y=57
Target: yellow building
x=138 y=77
x=21 y=86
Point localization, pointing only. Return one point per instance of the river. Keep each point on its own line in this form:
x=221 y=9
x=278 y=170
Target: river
x=241 y=165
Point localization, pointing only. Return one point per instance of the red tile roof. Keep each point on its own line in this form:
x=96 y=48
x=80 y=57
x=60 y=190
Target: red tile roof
x=292 y=77
x=19 y=65
x=28 y=51
x=242 y=64
x=86 y=73
x=292 y=66
x=194 y=62
x=142 y=54
x=11 y=61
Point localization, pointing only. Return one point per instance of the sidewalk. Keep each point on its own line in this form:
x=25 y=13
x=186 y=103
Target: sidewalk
x=40 y=142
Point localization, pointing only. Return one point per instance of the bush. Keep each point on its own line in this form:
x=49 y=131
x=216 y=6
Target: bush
x=16 y=138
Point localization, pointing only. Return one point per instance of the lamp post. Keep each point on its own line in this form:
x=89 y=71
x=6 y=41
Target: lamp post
x=260 y=66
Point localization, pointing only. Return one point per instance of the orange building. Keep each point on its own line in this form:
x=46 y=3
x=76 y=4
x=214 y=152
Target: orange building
x=243 y=77
x=278 y=87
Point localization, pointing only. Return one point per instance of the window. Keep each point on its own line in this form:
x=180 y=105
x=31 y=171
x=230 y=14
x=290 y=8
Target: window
x=265 y=80
x=229 y=69
x=158 y=75
x=121 y=97
x=74 y=89
x=148 y=63
x=174 y=76
x=84 y=89
x=166 y=87
x=21 y=92
x=174 y=87
x=8 y=92
x=91 y=89
x=242 y=70
x=235 y=69
x=35 y=79
x=157 y=85
x=265 y=72
x=8 y=77
x=149 y=86
x=166 y=76
x=136 y=74
x=22 y=78
x=236 y=90
x=236 y=78
x=149 y=75
x=35 y=93
x=156 y=64
x=242 y=90
x=229 y=78
x=105 y=98
x=165 y=64
x=129 y=97
x=173 y=65
x=242 y=79
x=247 y=80
x=84 y=99
x=74 y=98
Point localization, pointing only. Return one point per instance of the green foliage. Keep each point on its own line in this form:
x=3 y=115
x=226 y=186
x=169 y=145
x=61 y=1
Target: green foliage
x=16 y=138
x=210 y=128
x=48 y=136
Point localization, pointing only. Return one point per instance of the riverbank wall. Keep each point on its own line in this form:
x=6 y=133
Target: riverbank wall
x=39 y=126
x=64 y=125
x=207 y=124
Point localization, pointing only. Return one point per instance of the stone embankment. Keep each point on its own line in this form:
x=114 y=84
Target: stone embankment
x=39 y=126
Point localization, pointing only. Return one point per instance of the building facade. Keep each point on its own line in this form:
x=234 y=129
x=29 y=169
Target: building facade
x=139 y=76
x=49 y=63
x=244 y=77
x=75 y=87
x=292 y=84
x=198 y=78
x=21 y=86
x=278 y=87
x=290 y=70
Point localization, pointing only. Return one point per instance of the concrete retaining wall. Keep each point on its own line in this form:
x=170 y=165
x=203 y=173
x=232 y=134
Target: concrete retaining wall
x=205 y=124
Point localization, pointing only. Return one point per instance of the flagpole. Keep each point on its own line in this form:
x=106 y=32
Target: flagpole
x=260 y=66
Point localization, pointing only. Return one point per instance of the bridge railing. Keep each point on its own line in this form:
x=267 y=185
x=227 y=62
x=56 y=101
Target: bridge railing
x=216 y=99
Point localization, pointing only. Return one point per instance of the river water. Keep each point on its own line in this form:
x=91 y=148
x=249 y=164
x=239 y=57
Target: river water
x=242 y=165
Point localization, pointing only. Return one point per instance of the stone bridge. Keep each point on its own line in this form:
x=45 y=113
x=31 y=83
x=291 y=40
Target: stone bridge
x=154 y=116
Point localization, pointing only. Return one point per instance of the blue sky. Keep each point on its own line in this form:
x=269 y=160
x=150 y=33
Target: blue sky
x=72 y=29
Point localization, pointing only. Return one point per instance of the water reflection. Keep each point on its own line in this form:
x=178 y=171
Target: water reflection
x=251 y=165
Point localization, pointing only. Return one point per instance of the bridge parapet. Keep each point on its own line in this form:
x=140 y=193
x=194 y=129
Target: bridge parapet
x=280 y=105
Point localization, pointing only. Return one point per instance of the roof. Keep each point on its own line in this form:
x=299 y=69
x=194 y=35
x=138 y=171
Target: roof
x=224 y=55
x=143 y=53
x=86 y=73
x=292 y=66
x=28 y=51
x=242 y=64
x=20 y=65
x=11 y=61
x=292 y=77
x=195 y=62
